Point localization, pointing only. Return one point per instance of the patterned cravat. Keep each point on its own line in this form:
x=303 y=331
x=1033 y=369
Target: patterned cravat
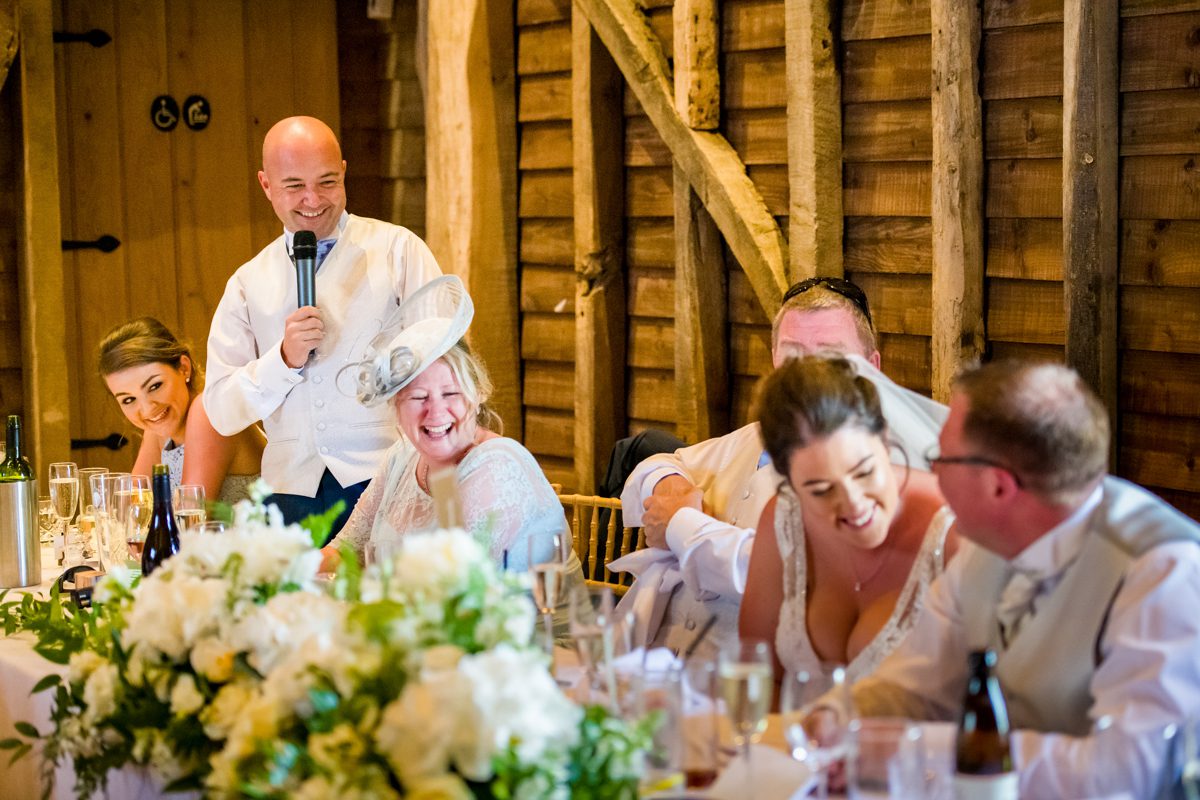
x=1016 y=603
x=323 y=248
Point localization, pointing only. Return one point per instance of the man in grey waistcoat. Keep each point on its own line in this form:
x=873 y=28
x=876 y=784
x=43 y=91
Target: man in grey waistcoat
x=1085 y=585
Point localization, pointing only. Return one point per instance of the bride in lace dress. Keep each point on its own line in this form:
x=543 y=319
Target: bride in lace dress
x=850 y=543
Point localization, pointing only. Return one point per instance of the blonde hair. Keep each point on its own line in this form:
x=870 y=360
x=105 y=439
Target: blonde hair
x=142 y=341
x=476 y=384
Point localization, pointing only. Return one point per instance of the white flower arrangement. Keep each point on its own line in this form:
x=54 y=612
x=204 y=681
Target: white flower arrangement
x=234 y=670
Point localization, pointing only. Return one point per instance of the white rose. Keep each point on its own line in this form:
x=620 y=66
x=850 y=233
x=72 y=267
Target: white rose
x=213 y=658
x=418 y=729
x=82 y=664
x=185 y=697
x=219 y=716
x=99 y=693
x=441 y=787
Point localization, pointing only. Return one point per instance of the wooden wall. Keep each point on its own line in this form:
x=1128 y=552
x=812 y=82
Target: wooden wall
x=383 y=114
x=885 y=60
x=12 y=400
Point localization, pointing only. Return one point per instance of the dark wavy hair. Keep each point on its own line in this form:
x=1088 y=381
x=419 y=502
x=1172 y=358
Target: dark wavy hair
x=810 y=398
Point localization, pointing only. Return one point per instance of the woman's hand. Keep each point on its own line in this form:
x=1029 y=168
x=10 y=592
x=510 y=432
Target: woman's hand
x=331 y=559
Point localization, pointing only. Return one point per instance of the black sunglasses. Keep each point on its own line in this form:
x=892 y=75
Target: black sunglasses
x=845 y=288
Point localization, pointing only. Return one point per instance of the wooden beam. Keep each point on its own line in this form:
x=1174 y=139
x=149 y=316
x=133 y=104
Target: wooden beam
x=957 y=208
x=599 y=206
x=1090 y=235
x=711 y=165
x=697 y=77
x=701 y=301
x=814 y=136
x=43 y=307
x=471 y=177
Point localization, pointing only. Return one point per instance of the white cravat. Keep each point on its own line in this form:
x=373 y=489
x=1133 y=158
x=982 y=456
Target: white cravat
x=1040 y=567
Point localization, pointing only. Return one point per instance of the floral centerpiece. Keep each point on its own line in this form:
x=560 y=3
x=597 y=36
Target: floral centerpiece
x=237 y=670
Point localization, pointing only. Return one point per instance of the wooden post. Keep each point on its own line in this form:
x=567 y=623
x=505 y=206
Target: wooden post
x=43 y=308
x=598 y=151
x=713 y=168
x=471 y=177
x=1090 y=236
x=814 y=120
x=958 y=334
x=701 y=302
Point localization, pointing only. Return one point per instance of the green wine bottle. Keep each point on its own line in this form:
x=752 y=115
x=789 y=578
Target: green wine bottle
x=15 y=467
x=162 y=539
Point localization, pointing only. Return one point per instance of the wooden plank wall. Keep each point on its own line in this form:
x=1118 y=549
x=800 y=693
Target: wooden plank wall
x=12 y=399
x=885 y=59
x=383 y=114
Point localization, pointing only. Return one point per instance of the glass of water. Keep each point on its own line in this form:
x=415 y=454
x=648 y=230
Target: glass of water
x=188 y=504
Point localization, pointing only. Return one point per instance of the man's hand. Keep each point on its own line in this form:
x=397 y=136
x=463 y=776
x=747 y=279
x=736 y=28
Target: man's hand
x=302 y=332
x=670 y=494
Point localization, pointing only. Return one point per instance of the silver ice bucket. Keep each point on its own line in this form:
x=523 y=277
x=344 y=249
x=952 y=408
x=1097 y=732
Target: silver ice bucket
x=20 y=547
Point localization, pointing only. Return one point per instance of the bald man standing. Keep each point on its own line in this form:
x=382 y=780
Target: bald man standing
x=273 y=361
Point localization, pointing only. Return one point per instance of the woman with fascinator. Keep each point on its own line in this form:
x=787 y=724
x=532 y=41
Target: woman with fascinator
x=439 y=390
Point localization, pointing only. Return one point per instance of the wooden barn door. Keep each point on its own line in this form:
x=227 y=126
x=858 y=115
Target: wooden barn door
x=184 y=203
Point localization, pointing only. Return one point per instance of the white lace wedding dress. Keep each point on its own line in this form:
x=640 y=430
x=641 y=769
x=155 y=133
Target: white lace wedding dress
x=505 y=496
x=792 y=644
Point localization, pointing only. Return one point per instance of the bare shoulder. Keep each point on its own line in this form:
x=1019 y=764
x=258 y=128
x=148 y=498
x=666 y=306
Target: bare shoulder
x=922 y=500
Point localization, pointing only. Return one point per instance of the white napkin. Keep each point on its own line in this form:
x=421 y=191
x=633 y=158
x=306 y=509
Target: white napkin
x=776 y=777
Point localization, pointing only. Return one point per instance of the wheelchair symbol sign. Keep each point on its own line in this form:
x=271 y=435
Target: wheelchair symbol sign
x=164 y=113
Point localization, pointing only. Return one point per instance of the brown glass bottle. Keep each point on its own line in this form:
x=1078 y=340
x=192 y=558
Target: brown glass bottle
x=983 y=757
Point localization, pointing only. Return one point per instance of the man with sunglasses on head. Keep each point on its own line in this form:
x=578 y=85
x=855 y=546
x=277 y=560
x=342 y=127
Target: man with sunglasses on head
x=1085 y=586
x=699 y=505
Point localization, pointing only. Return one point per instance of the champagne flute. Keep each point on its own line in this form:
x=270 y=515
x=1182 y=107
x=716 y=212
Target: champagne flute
x=548 y=568
x=64 y=490
x=87 y=486
x=188 y=504
x=598 y=635
x=132 y=504
x=745 y=673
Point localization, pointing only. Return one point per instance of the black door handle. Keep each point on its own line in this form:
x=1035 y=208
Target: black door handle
x=95 y=37
x=114 y=441
x=105 y=244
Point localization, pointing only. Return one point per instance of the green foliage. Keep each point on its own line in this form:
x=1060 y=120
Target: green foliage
x=320 y=526
x=606 y=762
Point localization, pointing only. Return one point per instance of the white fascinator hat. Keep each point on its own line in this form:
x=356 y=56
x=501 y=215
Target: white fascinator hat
x=421 y=330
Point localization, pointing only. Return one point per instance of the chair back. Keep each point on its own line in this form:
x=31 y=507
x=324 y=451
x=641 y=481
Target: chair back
x=600 y=538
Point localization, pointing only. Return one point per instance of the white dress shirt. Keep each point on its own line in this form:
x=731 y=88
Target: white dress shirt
x=312 y=418
x=1148 y=676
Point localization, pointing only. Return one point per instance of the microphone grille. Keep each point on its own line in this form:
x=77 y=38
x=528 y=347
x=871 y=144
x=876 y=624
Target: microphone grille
x=305 y=244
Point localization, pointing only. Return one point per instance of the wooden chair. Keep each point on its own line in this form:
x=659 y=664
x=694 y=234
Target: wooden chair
x=598 y=542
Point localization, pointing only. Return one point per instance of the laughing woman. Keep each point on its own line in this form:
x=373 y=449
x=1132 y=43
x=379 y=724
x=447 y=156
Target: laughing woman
x=157 y=383
x=439 y=391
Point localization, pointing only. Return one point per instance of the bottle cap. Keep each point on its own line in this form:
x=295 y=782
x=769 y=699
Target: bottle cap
x=161 y=469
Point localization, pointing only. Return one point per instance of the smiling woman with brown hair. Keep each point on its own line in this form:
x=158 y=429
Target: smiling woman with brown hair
x=157 y=384
x=848 y=546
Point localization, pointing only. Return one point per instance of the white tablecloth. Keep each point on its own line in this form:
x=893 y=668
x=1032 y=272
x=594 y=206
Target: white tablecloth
x=20 y=669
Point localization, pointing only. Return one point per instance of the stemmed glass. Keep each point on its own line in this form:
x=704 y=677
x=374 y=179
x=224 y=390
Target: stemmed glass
x=745 y=672
x=64 y=496
x=110 y=528
x=599 y=635
x=132 y=504
x=818 y=739
x=87 y=487
x=548 y=569
x=189 y=506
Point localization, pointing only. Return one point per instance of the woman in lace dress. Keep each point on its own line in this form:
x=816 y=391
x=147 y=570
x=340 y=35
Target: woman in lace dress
x=447 y=424
x=157 y=383
x=848 y=546
x=421 y=364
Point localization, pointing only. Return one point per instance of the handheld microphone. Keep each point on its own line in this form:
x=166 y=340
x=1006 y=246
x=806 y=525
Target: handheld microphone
x=304 y=253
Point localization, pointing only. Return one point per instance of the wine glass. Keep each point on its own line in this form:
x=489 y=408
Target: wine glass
x=745 y=673
x=815 y=737
x=598 y=634
x=87 y=486
x=548 y=569
x=64 y=490
x=132 y=504
x=110 y=529
x=886 y=758
x=188 y=504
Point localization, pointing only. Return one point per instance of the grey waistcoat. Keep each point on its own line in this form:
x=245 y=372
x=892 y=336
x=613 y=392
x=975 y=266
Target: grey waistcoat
x=1046 y=671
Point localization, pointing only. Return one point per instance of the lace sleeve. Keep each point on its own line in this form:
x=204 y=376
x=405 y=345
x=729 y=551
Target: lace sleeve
x=357 y=530
x=507 y=497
